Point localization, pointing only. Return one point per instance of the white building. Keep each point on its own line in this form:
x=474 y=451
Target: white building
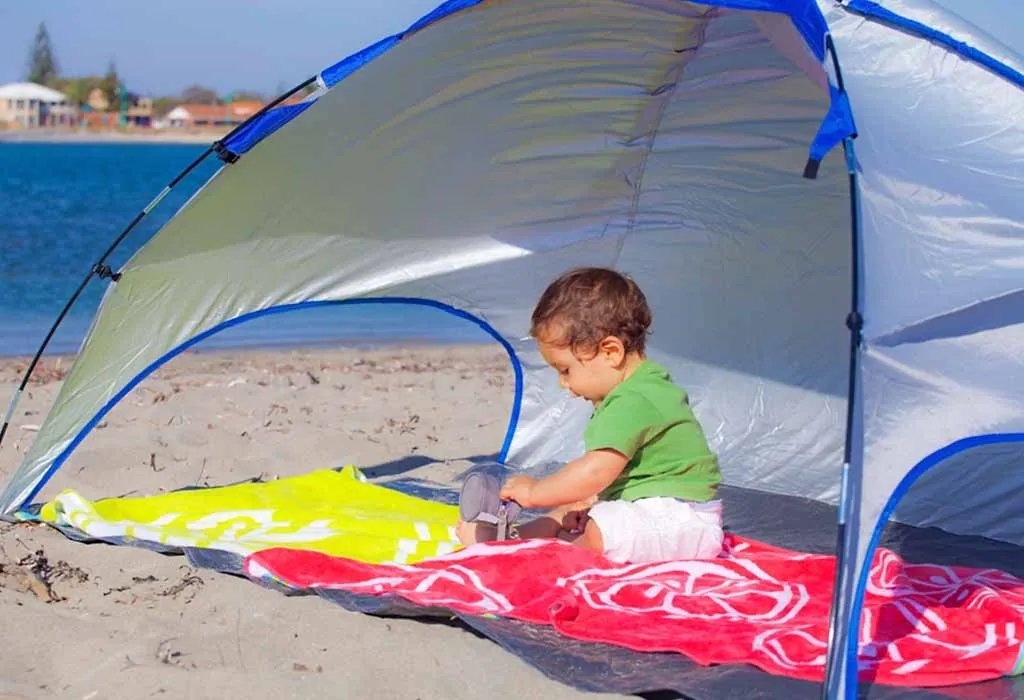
x=29 y=106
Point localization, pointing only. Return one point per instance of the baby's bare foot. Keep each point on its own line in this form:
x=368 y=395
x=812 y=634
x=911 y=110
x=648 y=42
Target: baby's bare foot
x=471 y=533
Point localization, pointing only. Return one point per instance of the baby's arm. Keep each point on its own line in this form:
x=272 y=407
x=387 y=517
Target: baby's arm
x=579 y=480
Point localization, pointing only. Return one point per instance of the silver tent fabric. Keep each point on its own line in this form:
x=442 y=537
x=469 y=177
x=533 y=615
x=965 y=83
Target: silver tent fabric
x=939 y=154
x=490 y=151
x=469 y=168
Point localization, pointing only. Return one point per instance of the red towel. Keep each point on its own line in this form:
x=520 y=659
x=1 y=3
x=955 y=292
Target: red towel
x=923 y=625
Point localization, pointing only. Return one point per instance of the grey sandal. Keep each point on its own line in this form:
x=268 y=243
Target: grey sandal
x=480 y=501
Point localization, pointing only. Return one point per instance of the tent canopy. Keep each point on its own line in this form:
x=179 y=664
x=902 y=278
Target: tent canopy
x=707 y=150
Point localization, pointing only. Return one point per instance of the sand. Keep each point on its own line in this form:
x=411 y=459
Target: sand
x=120 y=622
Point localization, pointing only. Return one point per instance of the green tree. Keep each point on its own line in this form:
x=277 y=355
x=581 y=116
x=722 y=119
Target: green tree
x=197 y=94
x=110 y=85
x=163 y=105
x=246 y=96
x=42 y=64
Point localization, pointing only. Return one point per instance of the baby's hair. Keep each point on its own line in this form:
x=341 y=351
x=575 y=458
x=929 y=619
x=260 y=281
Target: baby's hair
x=585 y=305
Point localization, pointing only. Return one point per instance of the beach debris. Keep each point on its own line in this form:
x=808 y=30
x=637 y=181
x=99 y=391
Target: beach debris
x=152 y=463
x=38 y=575
x=189 y=586
x=30 y=427
x=403 y=427
x=166 y=654
x=43 y=373
x=136 y=580
x=202 y=471
x=313 y=379
x=128 y=663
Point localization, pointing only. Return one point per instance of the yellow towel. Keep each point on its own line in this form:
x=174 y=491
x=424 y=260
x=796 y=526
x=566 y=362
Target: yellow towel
x=334 y=512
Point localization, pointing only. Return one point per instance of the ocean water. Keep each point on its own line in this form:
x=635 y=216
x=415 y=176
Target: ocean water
x=62 y=205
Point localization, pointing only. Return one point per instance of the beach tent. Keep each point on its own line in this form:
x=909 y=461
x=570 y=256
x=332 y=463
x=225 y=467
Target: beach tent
x=823 y=201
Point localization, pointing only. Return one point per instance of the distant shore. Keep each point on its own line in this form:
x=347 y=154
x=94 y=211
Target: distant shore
x=109 y=136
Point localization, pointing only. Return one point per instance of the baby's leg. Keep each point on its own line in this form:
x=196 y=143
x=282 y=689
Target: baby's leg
x=549 y=525
x=591 y=538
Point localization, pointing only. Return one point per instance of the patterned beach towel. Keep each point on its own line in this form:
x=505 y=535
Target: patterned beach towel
x=923 y=625
x=334 y=512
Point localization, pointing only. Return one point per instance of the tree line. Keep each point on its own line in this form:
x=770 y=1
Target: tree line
x=44 y=69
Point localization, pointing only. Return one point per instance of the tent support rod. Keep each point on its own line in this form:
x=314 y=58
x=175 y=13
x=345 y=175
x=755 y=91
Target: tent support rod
x=103 y=270
x=854 y=322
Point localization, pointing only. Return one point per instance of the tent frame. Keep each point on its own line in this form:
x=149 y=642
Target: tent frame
x=841 y=676
x=846 y=539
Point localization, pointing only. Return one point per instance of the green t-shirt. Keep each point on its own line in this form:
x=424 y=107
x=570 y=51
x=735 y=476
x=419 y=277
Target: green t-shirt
x=649 y=420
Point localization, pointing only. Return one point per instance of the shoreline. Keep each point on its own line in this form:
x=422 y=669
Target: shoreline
x=82 y=136
x=371 y=345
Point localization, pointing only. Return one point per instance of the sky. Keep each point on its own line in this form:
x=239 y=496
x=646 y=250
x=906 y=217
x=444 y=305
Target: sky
x=161 y=47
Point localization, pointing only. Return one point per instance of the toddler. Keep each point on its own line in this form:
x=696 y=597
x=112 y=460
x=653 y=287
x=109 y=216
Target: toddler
x=646 y=488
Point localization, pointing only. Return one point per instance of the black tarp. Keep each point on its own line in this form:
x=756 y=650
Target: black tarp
x=784 y=521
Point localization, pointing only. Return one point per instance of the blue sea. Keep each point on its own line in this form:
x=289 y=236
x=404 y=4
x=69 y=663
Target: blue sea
x=63 y=204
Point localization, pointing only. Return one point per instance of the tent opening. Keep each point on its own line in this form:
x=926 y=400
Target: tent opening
x=348 y=328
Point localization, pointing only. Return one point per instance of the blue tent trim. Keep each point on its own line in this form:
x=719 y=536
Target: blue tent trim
x=837 y=126
x=857 y=605
x=806 y=17
x=517 y=368
x=270 y=121
x=346 y=67
x=875 y=11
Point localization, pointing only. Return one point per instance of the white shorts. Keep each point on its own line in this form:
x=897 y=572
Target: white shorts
x=659 y=529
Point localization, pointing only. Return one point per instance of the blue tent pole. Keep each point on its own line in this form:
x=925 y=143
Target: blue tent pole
x=849 y=493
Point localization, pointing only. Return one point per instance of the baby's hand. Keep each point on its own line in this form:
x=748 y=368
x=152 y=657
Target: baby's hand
x=575 y=521
x=518 y=489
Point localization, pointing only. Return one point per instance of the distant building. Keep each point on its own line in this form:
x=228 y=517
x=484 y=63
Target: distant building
x=98 y=111
x=31 y=106
x=140 y=110
x=97 y=100
x=195 y=115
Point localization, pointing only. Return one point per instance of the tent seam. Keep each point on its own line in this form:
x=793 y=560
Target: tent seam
x=686 y=55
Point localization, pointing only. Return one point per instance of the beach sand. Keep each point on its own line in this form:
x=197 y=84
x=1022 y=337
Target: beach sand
x=130 y=623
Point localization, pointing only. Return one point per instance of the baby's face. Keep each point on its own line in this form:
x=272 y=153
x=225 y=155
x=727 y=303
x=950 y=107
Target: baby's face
x=583 y=376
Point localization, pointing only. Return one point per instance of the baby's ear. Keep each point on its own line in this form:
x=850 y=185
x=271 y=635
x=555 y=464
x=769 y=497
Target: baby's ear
x=612 y=349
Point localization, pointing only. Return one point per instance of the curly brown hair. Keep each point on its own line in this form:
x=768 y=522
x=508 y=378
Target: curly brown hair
x=587 y=304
